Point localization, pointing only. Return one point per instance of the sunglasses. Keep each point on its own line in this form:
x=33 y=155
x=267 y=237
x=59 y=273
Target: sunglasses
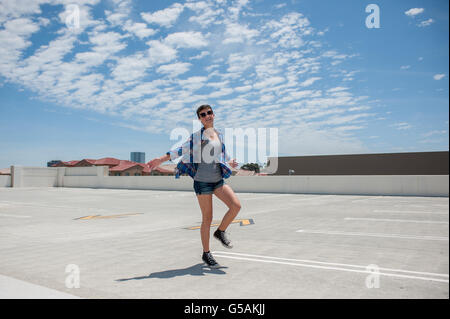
x=203 y=114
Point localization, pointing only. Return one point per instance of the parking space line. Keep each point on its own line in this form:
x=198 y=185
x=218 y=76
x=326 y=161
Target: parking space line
x=14 y=216
x=397 y=220
x=408 y=212
x=399 y=236
x=400 y=273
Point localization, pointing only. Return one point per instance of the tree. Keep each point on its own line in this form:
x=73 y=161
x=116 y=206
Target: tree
x=251 y=167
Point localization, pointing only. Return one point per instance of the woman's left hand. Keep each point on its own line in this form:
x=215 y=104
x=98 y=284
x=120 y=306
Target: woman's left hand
x=233 y=163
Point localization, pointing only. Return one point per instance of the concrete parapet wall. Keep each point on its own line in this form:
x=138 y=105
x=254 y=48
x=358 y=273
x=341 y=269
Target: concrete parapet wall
x=402 y=185
x=97 y=177
x=5 y=180
x=33 y=176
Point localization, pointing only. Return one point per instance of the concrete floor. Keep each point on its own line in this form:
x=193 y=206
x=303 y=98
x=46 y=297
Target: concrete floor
x=139 y=244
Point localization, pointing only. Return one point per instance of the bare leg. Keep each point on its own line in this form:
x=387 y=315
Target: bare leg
x=205 y=202
x=226 y=195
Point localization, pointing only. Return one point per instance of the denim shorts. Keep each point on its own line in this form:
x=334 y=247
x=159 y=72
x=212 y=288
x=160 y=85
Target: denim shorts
x=206 y=188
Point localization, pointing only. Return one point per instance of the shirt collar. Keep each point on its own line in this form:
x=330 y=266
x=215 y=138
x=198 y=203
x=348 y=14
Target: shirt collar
x=218 y=131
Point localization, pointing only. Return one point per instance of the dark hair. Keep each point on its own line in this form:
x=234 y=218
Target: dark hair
x=202 y=107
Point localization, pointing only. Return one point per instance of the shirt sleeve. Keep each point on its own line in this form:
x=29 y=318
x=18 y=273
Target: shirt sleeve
x=225 y=153
x=181 y=150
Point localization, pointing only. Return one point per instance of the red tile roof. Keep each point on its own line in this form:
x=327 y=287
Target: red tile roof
x=124 y=165
x=84 y=160
x=5 y=171
x=107 y=161
x=116 y=165
x=71 y=163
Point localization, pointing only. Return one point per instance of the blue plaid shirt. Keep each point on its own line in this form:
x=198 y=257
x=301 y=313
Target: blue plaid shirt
x=191 y=150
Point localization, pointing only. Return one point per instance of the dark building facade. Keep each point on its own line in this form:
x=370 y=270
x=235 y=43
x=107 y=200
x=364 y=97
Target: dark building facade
x=138 y=157
x=418 y=163
x=54 y=162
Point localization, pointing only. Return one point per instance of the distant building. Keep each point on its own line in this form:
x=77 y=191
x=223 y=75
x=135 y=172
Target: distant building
x=52 y=163
x=121 y=167
x=138 y=157
x=409 y=163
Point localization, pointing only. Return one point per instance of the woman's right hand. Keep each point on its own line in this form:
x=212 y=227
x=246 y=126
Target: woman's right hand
x=154 y=163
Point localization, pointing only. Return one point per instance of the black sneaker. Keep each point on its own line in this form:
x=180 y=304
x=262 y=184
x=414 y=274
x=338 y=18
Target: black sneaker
x=209 y=260
x=220 y=236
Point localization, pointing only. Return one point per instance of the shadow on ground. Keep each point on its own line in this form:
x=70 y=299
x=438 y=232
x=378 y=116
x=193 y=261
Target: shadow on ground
x=195 y=270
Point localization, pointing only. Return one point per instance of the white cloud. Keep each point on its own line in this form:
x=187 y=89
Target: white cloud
x=139 y=29
x=237 y=33
x=84 y=8
x=115 y=18
x=200 y=56
x=405 y=67
x=193 y=83
x=290 y=30
x=438 y=77
x=242 y=89
x=174 y=69
x=309 y=81
x=14 y=39
x=426 y=23
x=402 y=126
x=236 y=9
x=21 y=26
x=165 y=17
x=268 y=66
x=297 y=95
x=221 y=92
x=281 y=5
x=108 y=42
x=338 y=120
x=10 y=9
x=130 y=68
x=189 y=39
x=159 y=52
x=435 y=132
x=207 y=14
x=239 y=62
x=268 y=82
x=414 y=11
x=359 y=108
x=337 y=89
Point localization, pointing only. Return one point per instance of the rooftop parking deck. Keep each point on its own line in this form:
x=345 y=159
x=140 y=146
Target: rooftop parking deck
x=146 y=244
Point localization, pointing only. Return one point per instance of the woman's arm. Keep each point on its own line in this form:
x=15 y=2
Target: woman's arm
x=158 y=161
x=171 y=155
x=228 y=159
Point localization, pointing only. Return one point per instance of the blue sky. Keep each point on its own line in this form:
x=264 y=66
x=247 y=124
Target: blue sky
x=132 y=71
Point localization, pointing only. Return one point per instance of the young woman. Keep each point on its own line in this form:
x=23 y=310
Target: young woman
x=209 y=169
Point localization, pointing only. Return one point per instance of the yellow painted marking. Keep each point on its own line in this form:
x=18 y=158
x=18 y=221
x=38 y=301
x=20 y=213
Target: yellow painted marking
x=105 y=217
x=243 y=222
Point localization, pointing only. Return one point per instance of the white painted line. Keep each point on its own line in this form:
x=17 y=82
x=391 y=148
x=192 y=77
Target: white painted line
x=398 y=220
x=372 y=235
x=293 y=262
x=316 y=197
x=408 y=212
x=15 y=216
x=334 y=264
